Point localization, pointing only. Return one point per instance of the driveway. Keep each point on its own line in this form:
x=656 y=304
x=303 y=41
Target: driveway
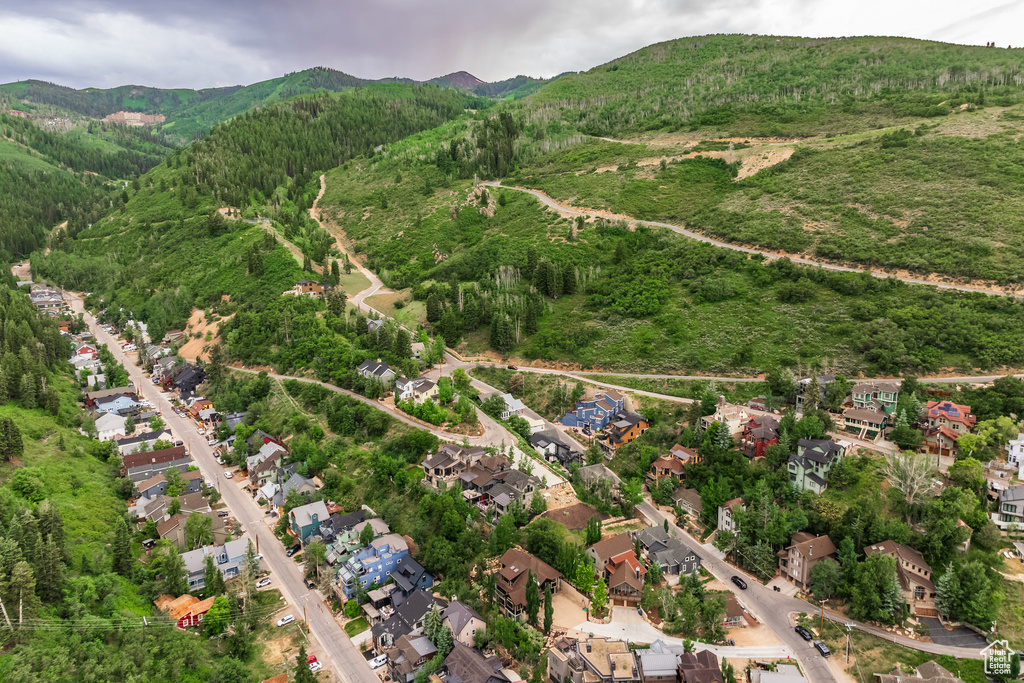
x=960 y=636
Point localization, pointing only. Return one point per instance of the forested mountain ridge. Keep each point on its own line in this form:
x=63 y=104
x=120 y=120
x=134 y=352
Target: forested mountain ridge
x=164 y=247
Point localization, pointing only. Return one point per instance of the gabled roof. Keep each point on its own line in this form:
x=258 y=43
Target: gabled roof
x=811 y=546
x=303 y=515
x=469 y=666
x=903 y=552
x=375 y=368
x=133 y=460
x=608 y=548
x=458 y=614
x=690 y=497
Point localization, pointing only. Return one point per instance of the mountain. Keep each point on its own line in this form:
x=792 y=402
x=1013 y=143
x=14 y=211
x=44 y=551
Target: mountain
x=458 y=79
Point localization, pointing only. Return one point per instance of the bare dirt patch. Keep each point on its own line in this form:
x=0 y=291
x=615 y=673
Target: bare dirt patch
x=198 y=348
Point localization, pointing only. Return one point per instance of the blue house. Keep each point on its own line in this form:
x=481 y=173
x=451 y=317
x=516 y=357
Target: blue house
x=594 y=413
x=117 y=405
x=304 y=520
x=373 y=564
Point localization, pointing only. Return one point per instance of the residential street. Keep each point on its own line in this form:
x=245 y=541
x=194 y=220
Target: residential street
x=773 y=609
x=341 y=656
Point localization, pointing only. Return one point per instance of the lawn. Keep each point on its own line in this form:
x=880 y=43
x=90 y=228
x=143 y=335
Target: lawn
x=353 y=283
x=356 y=626
x=412 y=314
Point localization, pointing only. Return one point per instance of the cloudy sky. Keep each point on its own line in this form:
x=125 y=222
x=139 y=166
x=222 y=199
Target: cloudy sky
x=201 y=43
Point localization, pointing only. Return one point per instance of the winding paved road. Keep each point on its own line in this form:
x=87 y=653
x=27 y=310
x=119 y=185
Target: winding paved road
x=336 y=647
x=574 y=211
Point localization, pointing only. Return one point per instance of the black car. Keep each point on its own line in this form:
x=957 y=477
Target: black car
x=803 y=633
x=294 y=549
x=822 y=649
x=740 y=582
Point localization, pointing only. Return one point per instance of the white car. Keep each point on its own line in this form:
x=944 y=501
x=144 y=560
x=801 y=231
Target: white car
x=285 y=620
x=219 y=461
x=227 y=475
x=378 y=661
x=202 y=432
x=211 y=442
x=315 y=666
x=263 y=583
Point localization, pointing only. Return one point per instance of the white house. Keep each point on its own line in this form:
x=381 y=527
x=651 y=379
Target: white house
x=109 y=425
x=1015 y=454
x=513 y=406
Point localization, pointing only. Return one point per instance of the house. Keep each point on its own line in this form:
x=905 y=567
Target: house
x=666 y=466
x=91 y=397
x=574 y=517
x=625 y=428
x=594 y=413
x=122 y=404
x=346 y=543
x=373 y=564
x=699 y=667
x=418 y=349
x=657 y=667
x=810 y=467
x=376 y=370
x=465 y=665
x=548 y=443
x=409 y=576
x=187 y=379
x=270 y=450
x=228 y=559
x=197 y=405
x=142 y=466
x=758 y=433
x=155 y=352
x=915 y=576
x=512 y=405
x=303 y=520
x=309 y=288
x=492 y=484
x=234 y=419
x=535 y=421
x=728 y=414
x=877 y=396
x=684 y=455
x=672 y=555
x=47 y=301
x=186 y=611
x=173 y=529
x=726 y=514
x=109 y=425
x=85 y=350
x=143 y=442
x=624 y=577
x=1015 y=454
x=96 y=381
x=801 y=388
x=157 y=484
x=416 y=390
x=463 y=621
x=592 y=660
x=929 y=672
x=944 y=423
x=866 y=424
x=173 y=336
x=164 y=370
x=688 y=500
x=445 y=466
x=803 y=552
x=406 y=619
x=510 y=585
x=1011 y=506
x=408 y=656
x=378 y=604
x=338 y=523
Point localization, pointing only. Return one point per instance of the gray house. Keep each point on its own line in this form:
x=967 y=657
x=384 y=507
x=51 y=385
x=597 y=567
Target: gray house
x=671 y=554
x=376 y=370
x=142 y=466
x=1011 y=505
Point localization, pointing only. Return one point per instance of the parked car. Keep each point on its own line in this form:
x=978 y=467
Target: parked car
x=285 y=620
x=315 y=666
x=822 y=649
x=211 y=442
x=219 y=460
x=263 y=583
x=202 y=432
x=803 y=633
x=227 y=475
x=310 y=583
x=310 y=659
x=740 y=582
x=294 y=549
x=378 y=661
x=222 y=514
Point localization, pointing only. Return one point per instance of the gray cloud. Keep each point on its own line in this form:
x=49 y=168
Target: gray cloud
x=199 y=43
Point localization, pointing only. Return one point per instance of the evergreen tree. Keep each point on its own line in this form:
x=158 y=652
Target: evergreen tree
x=444 y=642
x=302 y=672
x=433 y=623
x=403 y=344
x=532 y=598
x=600 y=596
x=213 y=580
x=50 y=572
x=549 y=609
x=11 y=444
x=121 y=550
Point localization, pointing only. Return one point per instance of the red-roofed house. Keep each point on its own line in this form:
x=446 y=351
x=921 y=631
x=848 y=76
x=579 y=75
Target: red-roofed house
x=759 y=433
x=624 y=576
x=188 y=610
x=945 y=422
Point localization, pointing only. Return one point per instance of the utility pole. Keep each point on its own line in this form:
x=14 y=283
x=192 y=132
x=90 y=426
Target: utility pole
x=256 y=530
x=305 y=609
x=144 y=625
x=821 y=625
x=848 y=643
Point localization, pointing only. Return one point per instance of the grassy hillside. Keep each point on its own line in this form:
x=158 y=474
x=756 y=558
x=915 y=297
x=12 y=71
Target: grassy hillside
x=773 y=85
x=640 y=300
x=926 y=199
